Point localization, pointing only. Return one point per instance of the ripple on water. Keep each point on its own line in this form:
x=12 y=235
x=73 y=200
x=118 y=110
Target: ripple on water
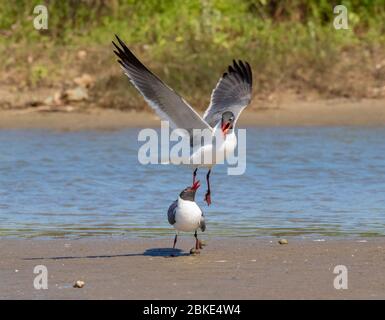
x=299 y=181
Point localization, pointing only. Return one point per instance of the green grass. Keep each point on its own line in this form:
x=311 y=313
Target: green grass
x=290 y=44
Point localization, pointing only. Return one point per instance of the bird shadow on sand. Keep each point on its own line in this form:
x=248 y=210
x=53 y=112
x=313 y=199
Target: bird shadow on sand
x=153 y=252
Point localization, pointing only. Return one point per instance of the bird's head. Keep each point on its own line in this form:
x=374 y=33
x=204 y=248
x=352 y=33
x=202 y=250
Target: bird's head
x=189 y=192
x=227 y=121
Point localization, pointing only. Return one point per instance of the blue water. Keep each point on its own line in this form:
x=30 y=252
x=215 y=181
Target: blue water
x=299 y=181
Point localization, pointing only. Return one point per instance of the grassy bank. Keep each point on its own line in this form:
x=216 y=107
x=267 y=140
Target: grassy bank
x=291 y=45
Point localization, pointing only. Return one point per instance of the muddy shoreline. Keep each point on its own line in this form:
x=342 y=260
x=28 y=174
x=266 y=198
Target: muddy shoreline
x=236 y=268
x=366 y=112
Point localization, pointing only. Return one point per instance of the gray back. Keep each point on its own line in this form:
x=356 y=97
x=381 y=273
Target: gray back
x=171 y=212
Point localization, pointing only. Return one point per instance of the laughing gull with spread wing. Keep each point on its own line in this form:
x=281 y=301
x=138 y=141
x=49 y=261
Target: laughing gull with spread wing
x=185 y=215
x=230 y=96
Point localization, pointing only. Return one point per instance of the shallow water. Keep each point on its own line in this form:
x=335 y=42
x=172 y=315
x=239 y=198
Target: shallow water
x=299 y=181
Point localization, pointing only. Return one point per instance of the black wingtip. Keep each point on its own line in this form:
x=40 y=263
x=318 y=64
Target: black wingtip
x=117 y=38
x=242 y=69
x=126 y=57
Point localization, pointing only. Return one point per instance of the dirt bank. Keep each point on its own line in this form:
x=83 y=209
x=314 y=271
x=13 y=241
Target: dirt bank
x=367 y=112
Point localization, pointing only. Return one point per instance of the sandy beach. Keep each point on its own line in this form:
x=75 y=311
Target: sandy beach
x=335 y=112
x=238 y=268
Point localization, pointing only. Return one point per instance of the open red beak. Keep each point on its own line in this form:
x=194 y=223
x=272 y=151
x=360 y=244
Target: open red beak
x=195 y=185
x=225 y=127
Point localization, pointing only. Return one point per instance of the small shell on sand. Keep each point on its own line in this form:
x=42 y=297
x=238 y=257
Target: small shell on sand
x=79 y=284
x=283 y=241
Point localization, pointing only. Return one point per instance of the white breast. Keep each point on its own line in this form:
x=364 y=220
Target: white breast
x=230 y=142
x=207 y=156
x=187 y=216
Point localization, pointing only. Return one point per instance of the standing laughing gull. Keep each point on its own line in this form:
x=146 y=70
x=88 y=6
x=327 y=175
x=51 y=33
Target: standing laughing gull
x=185 y=215
x=230 y=96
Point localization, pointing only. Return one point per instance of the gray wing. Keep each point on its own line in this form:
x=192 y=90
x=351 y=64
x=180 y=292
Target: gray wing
x=202 y=223
x=232 y=93
x=171 y=212
x=166 y=102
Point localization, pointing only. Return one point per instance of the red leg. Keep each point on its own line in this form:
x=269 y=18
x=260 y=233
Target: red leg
x=175 y=239
x=208 y=193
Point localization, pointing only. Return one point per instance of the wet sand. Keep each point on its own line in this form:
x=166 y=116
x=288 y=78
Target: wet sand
x=335 y=112
x=239 y=268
